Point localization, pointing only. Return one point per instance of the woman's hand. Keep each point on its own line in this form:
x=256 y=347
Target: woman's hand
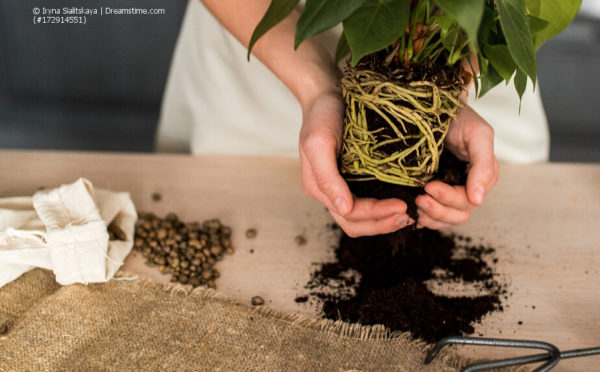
x=471 y=139
x=320 y=144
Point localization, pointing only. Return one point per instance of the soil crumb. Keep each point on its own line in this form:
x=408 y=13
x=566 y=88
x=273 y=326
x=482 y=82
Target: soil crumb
x=301 y=299
x=421 y=281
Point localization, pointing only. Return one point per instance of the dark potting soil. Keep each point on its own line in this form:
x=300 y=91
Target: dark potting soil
x=391 y=289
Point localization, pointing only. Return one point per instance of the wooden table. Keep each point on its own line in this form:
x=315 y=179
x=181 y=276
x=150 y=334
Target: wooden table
x=544 y=221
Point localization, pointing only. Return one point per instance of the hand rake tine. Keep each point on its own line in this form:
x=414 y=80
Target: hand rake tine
x=552 y=357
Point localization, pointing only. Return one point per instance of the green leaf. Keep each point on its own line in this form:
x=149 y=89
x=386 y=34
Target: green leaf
x=533 y=7
x=277 y=11
x=536 y=25
x=500 y=58
x=520 y=85
x=558 y=13
x=342 y=48
x=468 y=14
x=375 y=25
x=489 y=80
x=321 y=15
x=487 y=25
x=513 y=18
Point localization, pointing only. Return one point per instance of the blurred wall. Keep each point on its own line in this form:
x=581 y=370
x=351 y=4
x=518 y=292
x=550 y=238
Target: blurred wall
x=98 y=86
x=569 y=77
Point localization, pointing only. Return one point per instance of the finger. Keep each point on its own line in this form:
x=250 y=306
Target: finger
x=439 y=212
x=484 y=166
x=320 y=153
x=363 y=208
x=373 y=226
x=368 y=208
x=451 y=196
x=430 y=223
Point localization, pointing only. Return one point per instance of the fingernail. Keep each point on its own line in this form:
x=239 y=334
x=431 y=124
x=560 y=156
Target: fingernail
x=479 y=194
x=340 y=205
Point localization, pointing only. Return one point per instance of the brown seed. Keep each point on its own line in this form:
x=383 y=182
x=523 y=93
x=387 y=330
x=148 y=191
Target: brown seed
x=183 y=279
x=161 y=234
x=3 y=329
x=230 y=250
x=257 y=301
x=184 y=264
x=174 y=278
x=211 y=261
x=195 y=282
x=211 y=284
x=226 y=231
x=216 y=250
x=216 y=274
x=251 y=233
x=196 y=262
x=171 y=217
x=206 y=275
x=300 y=240
x=156 y=197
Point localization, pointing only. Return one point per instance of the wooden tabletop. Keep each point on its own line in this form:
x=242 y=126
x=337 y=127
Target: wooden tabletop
x=543 y=220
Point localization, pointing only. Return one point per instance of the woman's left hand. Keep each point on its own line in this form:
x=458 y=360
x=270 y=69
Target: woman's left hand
x=471 y=139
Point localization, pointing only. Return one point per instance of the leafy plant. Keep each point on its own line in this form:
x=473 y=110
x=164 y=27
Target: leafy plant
x=503 y=34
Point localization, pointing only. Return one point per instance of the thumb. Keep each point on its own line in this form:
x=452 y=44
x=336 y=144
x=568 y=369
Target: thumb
x=484 y=169
x=321 y=155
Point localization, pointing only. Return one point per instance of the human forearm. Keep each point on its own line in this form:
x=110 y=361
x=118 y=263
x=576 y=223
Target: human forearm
x=308 y=72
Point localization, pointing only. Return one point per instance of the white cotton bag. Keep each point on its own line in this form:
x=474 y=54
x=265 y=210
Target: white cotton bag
x=65 y=230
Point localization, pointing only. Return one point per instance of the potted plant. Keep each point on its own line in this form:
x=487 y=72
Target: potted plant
x=410 y=61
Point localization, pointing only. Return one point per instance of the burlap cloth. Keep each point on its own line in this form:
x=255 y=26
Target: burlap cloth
x=142 y=325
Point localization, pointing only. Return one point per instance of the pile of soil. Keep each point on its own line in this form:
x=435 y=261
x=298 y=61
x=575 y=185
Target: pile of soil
x=370 y=284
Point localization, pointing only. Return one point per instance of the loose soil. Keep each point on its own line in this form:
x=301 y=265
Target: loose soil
x=367 y=283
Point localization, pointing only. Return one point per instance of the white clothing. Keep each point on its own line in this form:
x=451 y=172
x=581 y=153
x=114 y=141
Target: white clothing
x=216 y=102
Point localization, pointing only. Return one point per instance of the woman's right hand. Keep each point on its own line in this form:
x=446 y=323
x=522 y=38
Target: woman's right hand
x=320 y=145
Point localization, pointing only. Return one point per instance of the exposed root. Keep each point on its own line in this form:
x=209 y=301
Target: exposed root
x=416 y=118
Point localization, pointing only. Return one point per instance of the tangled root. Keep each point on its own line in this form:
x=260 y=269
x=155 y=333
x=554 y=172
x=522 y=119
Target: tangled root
x=416 y=118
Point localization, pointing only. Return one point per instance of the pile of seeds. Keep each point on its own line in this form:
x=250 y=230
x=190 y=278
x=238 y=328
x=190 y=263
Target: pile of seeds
x=187 y=251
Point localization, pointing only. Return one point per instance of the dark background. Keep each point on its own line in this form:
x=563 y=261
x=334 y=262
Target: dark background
x=99 y=86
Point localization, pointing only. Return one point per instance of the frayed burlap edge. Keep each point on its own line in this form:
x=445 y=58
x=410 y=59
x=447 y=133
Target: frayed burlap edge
x=338 y=328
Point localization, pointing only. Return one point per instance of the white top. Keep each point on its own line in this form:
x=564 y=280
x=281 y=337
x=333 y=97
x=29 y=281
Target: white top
x=216 y=102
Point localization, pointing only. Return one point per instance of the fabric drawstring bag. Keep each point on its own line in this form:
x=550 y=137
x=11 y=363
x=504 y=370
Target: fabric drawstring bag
x=65 y=230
